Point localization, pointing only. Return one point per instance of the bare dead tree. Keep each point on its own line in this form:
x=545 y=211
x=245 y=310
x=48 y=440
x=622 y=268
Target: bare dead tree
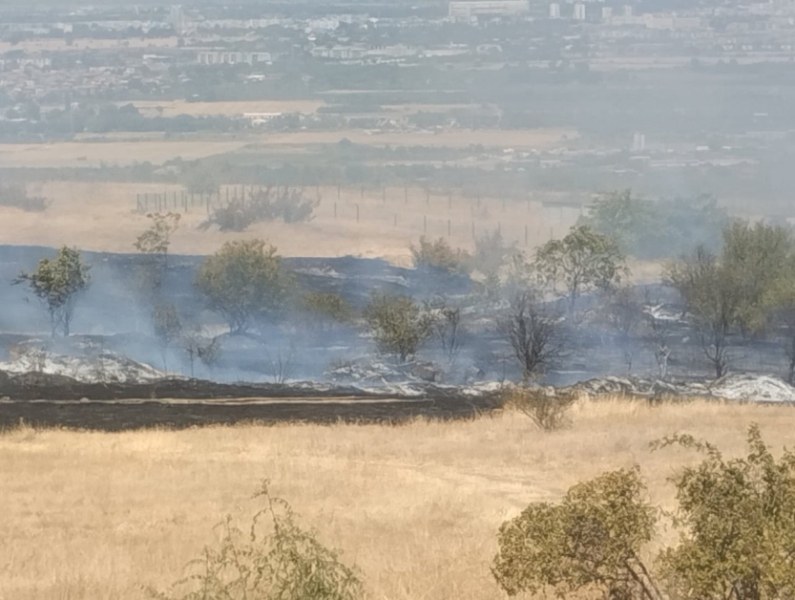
x=532 y=334
x=447 y=326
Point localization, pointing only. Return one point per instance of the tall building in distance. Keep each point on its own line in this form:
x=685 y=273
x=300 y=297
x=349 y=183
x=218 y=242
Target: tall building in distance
x=638 y=142
x=579 y=12
x=467 y=9
x=177 y=19
x=554 y=11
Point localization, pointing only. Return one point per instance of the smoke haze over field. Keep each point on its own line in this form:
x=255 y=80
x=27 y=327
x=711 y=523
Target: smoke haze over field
x=353 y=129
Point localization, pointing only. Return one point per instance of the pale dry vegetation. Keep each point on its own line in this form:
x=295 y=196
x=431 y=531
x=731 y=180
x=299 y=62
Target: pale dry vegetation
x=100 y=216
x=416 y=507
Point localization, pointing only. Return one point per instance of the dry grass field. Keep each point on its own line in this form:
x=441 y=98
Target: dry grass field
x=416 y=507
x=173 y=108
x=111 y=151
x=96 y=153
x=102 y=217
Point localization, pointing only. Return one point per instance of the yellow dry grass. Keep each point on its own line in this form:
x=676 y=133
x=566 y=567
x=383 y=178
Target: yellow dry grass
x=112 y=153
x=100 y=216
x=97 y=515
x=110 y=150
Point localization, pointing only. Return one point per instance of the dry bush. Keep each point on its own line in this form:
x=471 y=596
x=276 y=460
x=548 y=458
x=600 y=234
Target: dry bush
x=274 y=559
x=16 y=196
x=549 y=411
x=269 y=204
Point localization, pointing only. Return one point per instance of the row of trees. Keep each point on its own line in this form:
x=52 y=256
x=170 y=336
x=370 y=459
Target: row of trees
x=746 y=291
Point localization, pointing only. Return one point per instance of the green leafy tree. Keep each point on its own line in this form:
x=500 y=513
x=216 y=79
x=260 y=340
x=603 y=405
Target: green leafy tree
x=590 y=542
x=713 y=298
x=58 y=282
x=757 y=256
x=438 y=255
x=661 y=229
x=580 y=262
x=736 y=290
x=399 y=325
x=244 y=281
x=779 y=301
x=274 y=559
x=738 y=517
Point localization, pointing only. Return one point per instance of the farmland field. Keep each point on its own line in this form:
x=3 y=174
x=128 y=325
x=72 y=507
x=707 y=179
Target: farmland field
x=102 y=216
x=418 y=510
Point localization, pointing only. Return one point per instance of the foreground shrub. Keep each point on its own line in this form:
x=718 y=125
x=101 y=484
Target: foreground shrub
x=274 y=560
x=590 y=542
x=738 y=518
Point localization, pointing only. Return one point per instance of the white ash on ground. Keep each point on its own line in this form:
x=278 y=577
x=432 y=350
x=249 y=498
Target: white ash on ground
x=103 y=367
x=745 y=388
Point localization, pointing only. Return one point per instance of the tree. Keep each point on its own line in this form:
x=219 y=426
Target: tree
x=665 y=228
x=779 y=302
x=531 y=334
x=590 y=542
x=582 y=261
x=491 y=255
x=446 y=325
x=154 y=243
x=736 y=290
x=757 y=256
x=167 y=326
x=738 y=520
x=438 y=255
x=244 y=281
x=399 y=324
x=57 y=283
x=713 y=298
x=156 y=239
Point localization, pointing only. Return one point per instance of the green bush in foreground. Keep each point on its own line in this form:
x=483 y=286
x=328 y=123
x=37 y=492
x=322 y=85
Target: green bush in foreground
x=738 y=521
x=274 y=560
x=737 y=533
x=591 y=541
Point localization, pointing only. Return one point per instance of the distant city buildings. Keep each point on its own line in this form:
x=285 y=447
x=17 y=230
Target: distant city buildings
x=467 y=9
x=579 y=12
x=554 y=11
x=226 y=57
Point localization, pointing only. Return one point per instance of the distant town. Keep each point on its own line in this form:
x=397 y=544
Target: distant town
x=683 y=98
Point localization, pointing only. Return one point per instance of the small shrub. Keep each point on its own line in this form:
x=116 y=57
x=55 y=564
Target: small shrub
x=328 y=307
x=438 y=255
x=274 y=560
x=399 y=325
x=16 y=196
x=270 y=204
x=548 y=411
